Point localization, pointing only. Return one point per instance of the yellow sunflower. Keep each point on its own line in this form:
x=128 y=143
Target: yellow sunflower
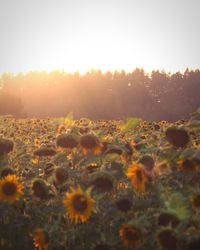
x=10 y=189
x=79 y=205
x=130 y=236
x=138 y=177
x=40 y=239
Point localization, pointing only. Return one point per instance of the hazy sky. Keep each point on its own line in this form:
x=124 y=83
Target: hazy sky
x=102 y=34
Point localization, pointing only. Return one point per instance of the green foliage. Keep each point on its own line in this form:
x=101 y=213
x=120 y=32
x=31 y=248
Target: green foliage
x=130 y=124
x=48 y=178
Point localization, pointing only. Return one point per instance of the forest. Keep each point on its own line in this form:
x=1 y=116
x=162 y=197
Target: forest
x=155 y=96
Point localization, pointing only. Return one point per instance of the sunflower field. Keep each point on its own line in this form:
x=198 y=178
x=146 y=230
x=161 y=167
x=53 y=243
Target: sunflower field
x=69 y=184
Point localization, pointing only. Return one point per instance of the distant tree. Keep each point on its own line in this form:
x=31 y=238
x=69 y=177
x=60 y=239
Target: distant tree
x=97 y=95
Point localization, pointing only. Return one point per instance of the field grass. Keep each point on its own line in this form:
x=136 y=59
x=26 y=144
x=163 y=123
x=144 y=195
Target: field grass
x=99 y=185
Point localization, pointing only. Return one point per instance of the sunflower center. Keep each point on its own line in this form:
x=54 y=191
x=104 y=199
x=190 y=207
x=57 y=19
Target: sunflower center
x=139 y=174
x=131 y=235
x=80 y=203
x=197 y=201
x=103 y=184
x=188 y=165
x=124 y=205
x=9 y=188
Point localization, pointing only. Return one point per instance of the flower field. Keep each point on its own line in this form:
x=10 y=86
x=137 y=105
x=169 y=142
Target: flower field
x=70 y=184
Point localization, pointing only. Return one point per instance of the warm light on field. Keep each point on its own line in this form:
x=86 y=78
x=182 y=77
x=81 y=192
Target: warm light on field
x=106 y=35
x=97 y=49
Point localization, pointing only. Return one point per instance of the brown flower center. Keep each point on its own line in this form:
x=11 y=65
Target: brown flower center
x=167 y=239
x=139 y=175
x=103 y=184
x=9 y=188
x=197 y=201
x=188 y=165
x=80 y=203
x=124 y=204
x=131 y=235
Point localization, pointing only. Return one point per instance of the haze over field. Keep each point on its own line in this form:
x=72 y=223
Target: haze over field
x=108 y=35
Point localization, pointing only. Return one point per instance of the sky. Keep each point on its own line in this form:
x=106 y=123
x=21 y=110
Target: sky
x=79 y=35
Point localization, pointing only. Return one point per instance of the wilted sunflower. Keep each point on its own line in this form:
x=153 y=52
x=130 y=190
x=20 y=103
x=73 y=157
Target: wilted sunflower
x=178 y=137
x=10 y=188
x=102 y=181
x=167 y=218
x=79 y=204
x=138 y=176
x=40 y=239
x=167 y=239
x=90 y=143
x=186 y=165
x=130 y=236
x=124 y=204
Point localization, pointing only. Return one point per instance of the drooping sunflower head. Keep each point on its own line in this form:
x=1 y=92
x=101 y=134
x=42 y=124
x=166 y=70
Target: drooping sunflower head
x=40 y=239
x=124 y=204
x=60 y=174
x=186 y=165
x=178 y=137
x=6 y=146
x=90 y=143
x=44 y=151
x=79 y=205
x=67 y=140
x=102 y=181
x=148 y=162
x=167 y=218
x=92 y=167
x=167 y=239
x=130 y=236
x=40 y=189
x=7 y=171
x=10 y=189
x=138 y=177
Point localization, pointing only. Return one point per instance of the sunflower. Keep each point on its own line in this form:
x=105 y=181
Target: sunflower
x=130 y=236
x=40 y=189
x=167 y=239
x=102 y=181
x=67 y=140
x=186 y=165
x=167 y=218
x=138 y=177
x=178 y=137
x=10 y=188
x=90 y=143
x=124 y=204
x=40 y=239
x=79 y=204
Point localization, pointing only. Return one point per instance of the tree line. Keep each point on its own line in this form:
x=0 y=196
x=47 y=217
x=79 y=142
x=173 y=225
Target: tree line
x=96 y=95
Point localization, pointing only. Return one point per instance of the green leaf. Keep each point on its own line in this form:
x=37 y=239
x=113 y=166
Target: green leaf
x=129 y=124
